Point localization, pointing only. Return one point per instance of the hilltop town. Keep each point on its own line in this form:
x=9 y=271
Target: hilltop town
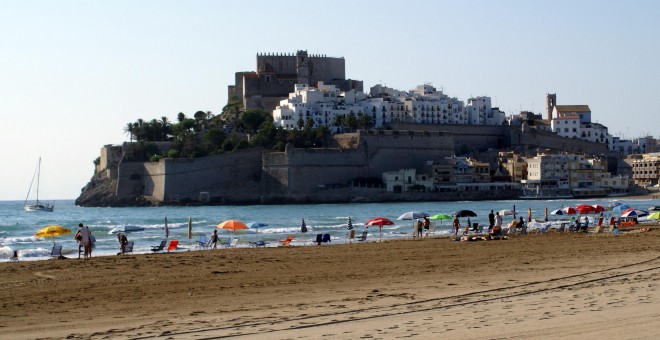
x=384 y=145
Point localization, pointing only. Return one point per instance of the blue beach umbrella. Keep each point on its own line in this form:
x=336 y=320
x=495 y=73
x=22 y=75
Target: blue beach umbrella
x=256 y=225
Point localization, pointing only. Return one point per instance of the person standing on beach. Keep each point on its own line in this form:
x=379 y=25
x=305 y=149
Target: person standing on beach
x=491 y=221
x=523 y=226
x=498 y=220
x=91 y=241
x=214 y=238
x=427 y=225
x=457 y=225
x=84 y=239
x=420 y=226
x=123 y=240
x=78 y=238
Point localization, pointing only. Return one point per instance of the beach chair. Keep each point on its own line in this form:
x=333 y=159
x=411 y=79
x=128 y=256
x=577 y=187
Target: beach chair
x=173 y=245
x=128 y=249
x=203 y=242
x=286 y=242
x=258 y=244
x=319 y=239
x=233 y=243
x=326 y=238
x=14 y=256
x=363 y=237
x=56 y=252
x=159 y=247
x=562 y=227
x=597 y=230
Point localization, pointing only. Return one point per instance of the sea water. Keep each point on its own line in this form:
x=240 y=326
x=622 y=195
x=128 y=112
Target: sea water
x=18 y=227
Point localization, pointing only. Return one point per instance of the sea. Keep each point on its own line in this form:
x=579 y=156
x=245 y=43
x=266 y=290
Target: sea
x=18 y=227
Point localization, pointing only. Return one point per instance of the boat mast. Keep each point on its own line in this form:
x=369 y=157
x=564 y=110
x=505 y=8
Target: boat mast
x=36 y=174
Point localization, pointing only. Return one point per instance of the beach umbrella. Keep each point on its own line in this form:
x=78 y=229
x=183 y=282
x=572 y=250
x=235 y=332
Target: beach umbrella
x=545 y=214
x=620 y=208
x=557 y=212
x=412 y=215
x=506 y=212
x=514 y=212
x=349 y=226
x=634 y=213
x=598 y=208
x=256 y=225
x=584 y=209
x=380 y=222
x=232 y=225
x=440 y=217
x=464 y=213
x=569 y=211
x=655 y=216
x=190 y=227
x=654 y=208
x=529 y=215
x=167 y=230
x=52 y=231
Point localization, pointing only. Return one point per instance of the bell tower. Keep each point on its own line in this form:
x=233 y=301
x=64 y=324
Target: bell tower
x=550 y=103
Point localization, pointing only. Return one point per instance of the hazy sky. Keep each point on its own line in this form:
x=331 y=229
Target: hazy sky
x=74 y=73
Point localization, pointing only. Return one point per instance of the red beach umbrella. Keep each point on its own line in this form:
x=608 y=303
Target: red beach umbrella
x=585 y=209
x=598 y=208
x=380 y=222
x=569 y=211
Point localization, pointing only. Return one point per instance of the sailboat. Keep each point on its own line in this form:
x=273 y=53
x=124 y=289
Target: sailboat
x=36 y=205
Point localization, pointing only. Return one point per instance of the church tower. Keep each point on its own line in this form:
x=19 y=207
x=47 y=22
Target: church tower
x=550 y=103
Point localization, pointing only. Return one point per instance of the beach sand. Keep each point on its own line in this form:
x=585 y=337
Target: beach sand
x=545 y=286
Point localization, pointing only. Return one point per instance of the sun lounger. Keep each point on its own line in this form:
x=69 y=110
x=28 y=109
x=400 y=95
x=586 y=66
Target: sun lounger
x=159 y=247
x=286 y=242
x=319 y=239
x=326 y=238
x=258 y=244
x=173 y=245
x=233 y=243
x=363 y=237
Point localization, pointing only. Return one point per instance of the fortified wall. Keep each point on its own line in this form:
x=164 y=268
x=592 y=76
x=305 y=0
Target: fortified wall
x=201 y=179
x=362 y=154
x=465 y=137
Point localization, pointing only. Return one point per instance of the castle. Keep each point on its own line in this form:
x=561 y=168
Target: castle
x=277 y=73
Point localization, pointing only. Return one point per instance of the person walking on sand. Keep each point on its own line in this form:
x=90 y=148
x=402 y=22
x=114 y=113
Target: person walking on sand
x=214 y=238
x=84 y=239
x=457 y=225
x=491 y=221
x=427 y=225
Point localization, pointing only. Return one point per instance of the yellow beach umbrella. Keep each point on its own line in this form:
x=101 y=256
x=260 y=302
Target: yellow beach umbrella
x=655 y=215
x=52 y=231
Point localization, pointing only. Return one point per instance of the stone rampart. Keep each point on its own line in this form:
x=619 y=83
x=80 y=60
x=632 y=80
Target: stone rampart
x=529 y=140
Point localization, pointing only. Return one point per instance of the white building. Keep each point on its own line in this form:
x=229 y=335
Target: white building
x=566 y=126
x=406 y=179
x=422 y=105
x=480 y=112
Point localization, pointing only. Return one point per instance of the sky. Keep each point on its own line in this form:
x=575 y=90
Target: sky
x=74 y=73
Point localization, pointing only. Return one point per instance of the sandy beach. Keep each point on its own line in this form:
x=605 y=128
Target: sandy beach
x=535 y=286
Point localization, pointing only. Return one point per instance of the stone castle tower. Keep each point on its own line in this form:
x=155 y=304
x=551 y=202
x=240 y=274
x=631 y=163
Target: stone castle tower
x=550 y=103
x=277 y=73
